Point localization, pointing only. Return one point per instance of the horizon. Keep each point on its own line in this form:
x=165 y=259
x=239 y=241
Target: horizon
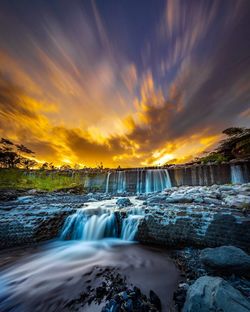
x=130 y=84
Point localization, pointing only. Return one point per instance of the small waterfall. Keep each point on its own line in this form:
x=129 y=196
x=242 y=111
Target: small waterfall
x=84 y=226
x=121 y=182
x=157 y=180
x=236 y=174
x=95 y=223
x=107 y=182
x=129 y=227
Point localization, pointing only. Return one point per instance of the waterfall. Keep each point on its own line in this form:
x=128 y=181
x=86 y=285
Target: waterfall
x=121 y=182
x=84 y=226
x=236 y=174
x=129 y=227
x=139 y=180
x=96 y=222
x=107 y=182
x=157 y=180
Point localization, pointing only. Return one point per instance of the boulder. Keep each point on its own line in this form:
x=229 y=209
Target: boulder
x=226 y=258
x=213 y=294
x=157 y=199
x=123 y=202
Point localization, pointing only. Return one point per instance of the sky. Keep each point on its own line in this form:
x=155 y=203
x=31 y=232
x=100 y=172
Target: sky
x=123 y=82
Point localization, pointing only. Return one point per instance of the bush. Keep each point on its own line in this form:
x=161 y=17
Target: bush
x=214 y=158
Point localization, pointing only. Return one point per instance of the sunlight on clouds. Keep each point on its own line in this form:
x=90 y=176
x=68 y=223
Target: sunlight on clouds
x=73 y=97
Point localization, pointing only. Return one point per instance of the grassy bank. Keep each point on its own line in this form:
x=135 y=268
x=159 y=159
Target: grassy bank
x=40 y=180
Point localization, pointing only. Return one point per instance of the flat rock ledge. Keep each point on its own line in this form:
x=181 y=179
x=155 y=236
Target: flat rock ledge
x=197 y=216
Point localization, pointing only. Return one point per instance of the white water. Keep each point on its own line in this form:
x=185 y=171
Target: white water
x=130 y=226
x=107 y=182
x=236 y=174
x=147 y=181
x=98 y=221
x=121 y=183
x=50 y=276
x=139 y=181
x=84 y=227
x=157 y=180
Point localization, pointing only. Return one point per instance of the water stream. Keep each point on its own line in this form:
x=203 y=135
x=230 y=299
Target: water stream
x=49 y=276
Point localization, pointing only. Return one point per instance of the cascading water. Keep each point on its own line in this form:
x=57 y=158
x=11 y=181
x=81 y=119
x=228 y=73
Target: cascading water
x=139 y=180
x=107 y=182
x=121 y=183
x=95 y=223
x=157 y=180
x=129 y=227
x=146 y=181
x=236 y=174
x=81 y=225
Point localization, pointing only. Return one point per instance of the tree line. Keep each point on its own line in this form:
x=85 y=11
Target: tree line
x=15 y=155
x=19 y=156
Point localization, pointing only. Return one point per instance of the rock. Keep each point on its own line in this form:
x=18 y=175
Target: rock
x=7 y=195
x=155 y=300
x=179 y=199
x=226 y=258
x=239 y=201
x=123 y=202
x=209 y=200
x=91 y=199
x=226 y=188
x=157 y=199
x=198 y=200
x=213 y=294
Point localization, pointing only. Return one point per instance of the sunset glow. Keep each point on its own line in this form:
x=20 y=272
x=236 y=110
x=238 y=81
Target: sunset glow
x=123 y=83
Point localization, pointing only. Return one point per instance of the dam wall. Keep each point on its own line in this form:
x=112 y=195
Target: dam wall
x=144 y=180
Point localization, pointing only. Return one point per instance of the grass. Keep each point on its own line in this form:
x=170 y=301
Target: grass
x=39 y=180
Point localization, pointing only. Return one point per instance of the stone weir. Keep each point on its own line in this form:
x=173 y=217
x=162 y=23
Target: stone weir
x=202 y=216
x=148 y=180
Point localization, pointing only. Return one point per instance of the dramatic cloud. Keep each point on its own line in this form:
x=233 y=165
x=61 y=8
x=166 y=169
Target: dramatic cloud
x=90 y=83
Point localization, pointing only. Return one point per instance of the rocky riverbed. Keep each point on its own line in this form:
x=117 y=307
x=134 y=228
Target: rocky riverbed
x=182 y=220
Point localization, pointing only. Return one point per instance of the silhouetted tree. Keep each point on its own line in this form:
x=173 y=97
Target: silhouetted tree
x=11 y=155
x=76 y=166
x=47 y=166
x=28 y=163
x=65 y=167
x=23 y=149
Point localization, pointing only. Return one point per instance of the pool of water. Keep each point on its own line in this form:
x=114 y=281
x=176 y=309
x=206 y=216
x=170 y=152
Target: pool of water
x=47 y=277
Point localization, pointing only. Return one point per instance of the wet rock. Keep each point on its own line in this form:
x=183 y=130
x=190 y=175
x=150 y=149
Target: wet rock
x=123 y=202
x=155 y=300
x=179 y=199
x=7 y=195
x=209 y=200
x=180 y=295
x=239 y=201
x=212 y=294
x=226 y=258
x=157 y=199
x=133 y=300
